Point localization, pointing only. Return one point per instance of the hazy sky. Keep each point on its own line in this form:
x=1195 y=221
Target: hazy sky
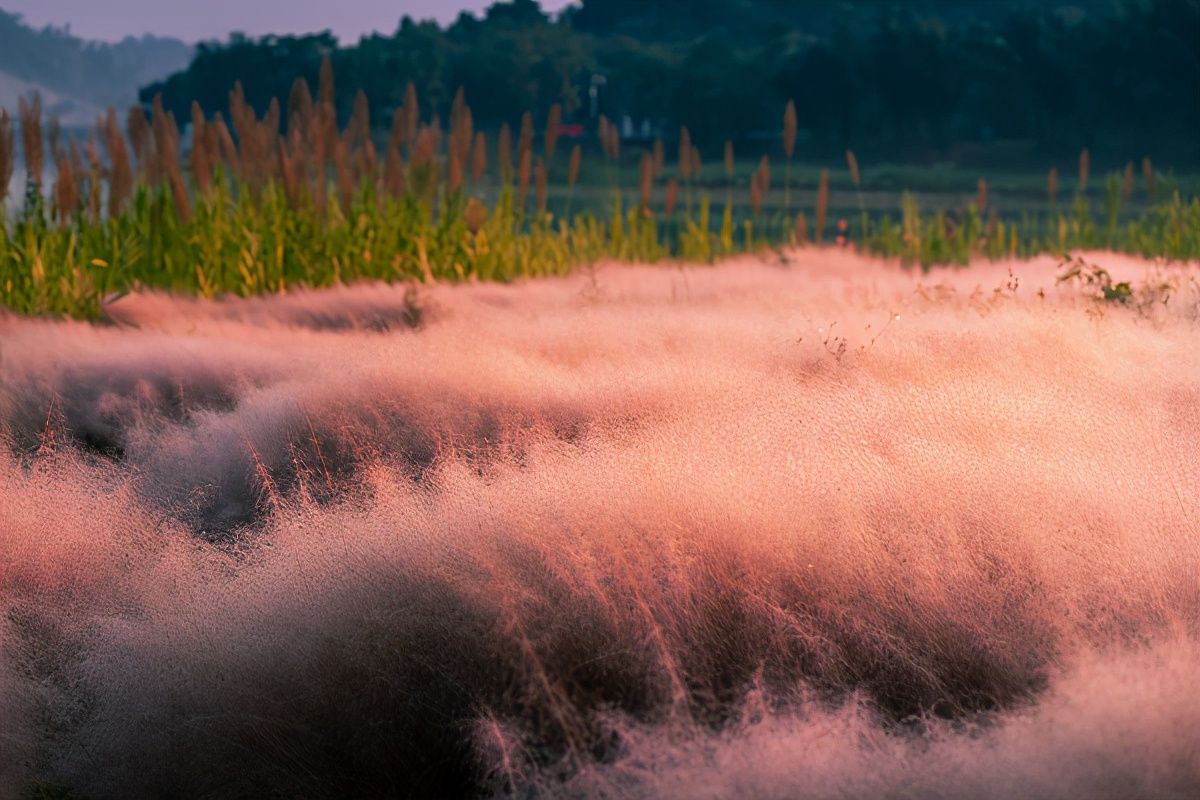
x=193 y=20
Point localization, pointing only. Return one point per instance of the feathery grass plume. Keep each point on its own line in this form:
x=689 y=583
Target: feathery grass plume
x=504 y=153
x=602 y=135
x=553 y=128
x=614 y=142
x=423 y=163
x=800 y=237
x=66 y=189
x=822 y=205
x=30 y=111
x=228 y=150
x=54 y=138
x=1127 y=181
x=789 y=149
x=289 y=172
x=166 y=147
x=141 y=138
x=325 y=87
x=541 y=182
x=1148 y=176
x=393 y=171
x=573 y=169
x=479 y=158
x=358 y=131
x=646 y=180
x=764 y=173
x=7 y=155
x=697 y=164
x=672 y=198
x=76 y=158
x=1085 y=168
x=95 y=180
x=299 y=105
x=685 y=154
x=981 y=196
x=757 y=193
x=1052 y=185
x=852 y=165
x=524 y=172
x=660 y=158
x=729 y=160
x=525 y=138
x=342 y=175
x=120 y=169
x=412 y=117
x=200 y=159
x=454 y=167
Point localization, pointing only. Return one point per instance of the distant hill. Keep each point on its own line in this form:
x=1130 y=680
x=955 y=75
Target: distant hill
x=77 y=77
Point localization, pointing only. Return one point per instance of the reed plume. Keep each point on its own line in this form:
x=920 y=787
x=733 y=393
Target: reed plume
x=504 y=156
x=697 y=164
x=66 y=189
x=1052 y=185
x=412 y=117
x=1085 y=167
x=479 y=158
x=541 y=182
x=1127 y=181
x=729 y=160
x=822 y=205
x=393 y=171
x=325 y=83
x=95 y=180
x=30 y=112
x=660 y=158
x=672 y=198
x=201 y=157
x=981 y=196
x=7 y=155
x=524 y=171
x=852 y=165
x=1148 y=176
x=685 y=154
x=525 y=137
x=573 y=169
x=120 y=169
x=646 y=180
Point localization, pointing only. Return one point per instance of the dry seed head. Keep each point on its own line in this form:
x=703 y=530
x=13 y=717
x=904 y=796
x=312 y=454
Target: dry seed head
x=801 y=235
x=764 y=173
x=729 y=162
x=412 y=115
x=66 y=189
x=672 y=196
x=525 y=139
x=1148 y=176
x=541 y=187
x=1052 y=185
x=553 y=127
x=31 y=138
x=1127 y=181
x=1085 y=167
x=573 y=169
x=325 y=82
x=789 y=129
x=852 y=164
x=660 y=158
x=200 y=164
x=523 y=175
x=981 y=196
x=646 y=179
x=7 y=154
x=120 y=179
x=756 y=192
x=475 y=215
x=393 y=171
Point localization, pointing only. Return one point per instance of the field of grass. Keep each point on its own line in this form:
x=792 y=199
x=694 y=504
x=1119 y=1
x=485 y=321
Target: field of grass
x=263 y=205
x=803 y=525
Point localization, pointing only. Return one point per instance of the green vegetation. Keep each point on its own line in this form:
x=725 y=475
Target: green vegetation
x=250 y=211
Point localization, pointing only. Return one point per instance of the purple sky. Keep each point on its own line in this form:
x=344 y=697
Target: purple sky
x=193 y=20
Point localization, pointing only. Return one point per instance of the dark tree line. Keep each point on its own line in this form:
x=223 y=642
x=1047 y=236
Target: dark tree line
x=1121 y=77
